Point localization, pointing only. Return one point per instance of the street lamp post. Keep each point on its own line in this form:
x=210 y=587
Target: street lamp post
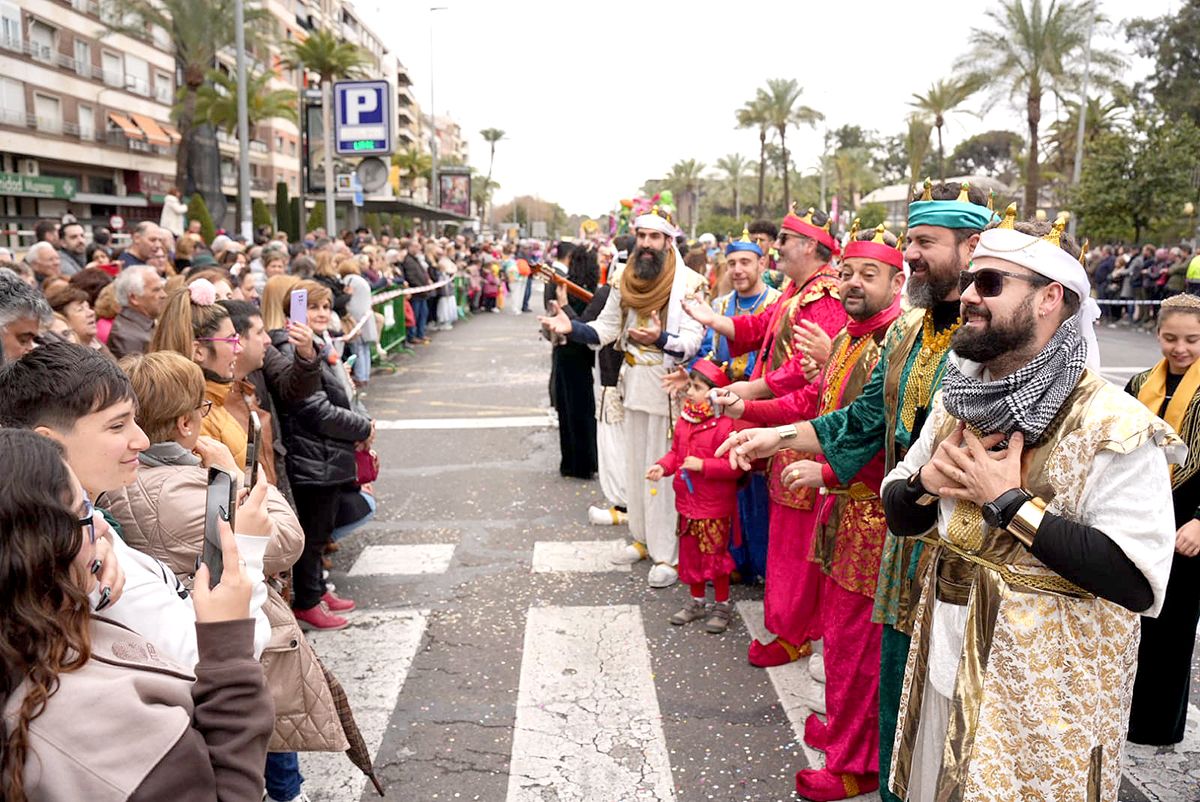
x=239 y=27
x=1077 y=173
x=434 y=194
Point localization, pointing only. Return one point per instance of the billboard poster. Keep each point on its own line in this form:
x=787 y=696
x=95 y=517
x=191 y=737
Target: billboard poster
x=454 y=192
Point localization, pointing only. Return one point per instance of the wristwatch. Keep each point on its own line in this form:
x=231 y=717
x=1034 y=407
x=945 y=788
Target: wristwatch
x=914 y=483
x=993 y=511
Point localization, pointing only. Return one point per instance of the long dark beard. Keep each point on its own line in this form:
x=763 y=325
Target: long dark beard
x=926 y=291
x=648 y=263
x=996 y=340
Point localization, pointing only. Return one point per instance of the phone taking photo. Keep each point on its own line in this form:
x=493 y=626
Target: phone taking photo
x=299 y=309
x=253 y=437
x=220 y=503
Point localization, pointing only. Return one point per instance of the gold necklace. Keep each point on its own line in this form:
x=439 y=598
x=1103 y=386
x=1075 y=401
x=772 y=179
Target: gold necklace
x=918 y=388
x=847 y=357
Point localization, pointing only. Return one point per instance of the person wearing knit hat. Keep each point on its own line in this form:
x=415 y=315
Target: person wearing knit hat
x=791 y=602
x=944 y=225
x=644 y=315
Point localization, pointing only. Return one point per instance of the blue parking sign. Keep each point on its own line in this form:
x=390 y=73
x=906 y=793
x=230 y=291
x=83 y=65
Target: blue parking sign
x=362 y=118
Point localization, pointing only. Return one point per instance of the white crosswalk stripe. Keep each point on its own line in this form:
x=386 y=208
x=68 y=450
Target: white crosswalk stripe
x=372 y=671
x=588 y=726
x=400 y=560
x=582 y=556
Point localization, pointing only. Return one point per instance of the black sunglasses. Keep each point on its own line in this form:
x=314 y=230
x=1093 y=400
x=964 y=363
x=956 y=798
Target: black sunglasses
x=989 y=282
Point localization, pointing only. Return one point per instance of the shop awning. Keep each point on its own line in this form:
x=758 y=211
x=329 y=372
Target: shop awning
x=172 y=132
x=126 y=125
x=155 y=134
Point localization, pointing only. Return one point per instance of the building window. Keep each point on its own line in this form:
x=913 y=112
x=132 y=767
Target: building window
x=48 y=111
x=137 y=75
x=83 y=58
x=41 y=40
x=10 y=26
x=163 y=88
x=113 y=67
x=12 y=101
x=87 y=122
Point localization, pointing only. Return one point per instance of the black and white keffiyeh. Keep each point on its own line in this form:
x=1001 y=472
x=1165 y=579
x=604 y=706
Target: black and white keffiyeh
x=1026 y=400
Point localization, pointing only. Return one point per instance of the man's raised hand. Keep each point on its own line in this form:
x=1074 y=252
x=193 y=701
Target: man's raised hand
x=558 y=323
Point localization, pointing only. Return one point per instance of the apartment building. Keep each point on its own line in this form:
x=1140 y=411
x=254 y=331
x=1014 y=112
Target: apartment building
x=84 y=117
x=452 y=146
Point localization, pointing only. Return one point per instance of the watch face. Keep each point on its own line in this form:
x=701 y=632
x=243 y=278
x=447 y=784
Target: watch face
x=991 y=515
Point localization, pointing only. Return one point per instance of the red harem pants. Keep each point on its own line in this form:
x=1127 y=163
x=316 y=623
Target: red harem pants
x=792 y=594
x=851 y=646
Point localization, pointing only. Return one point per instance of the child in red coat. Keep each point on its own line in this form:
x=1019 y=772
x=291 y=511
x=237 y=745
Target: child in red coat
x=705 y=498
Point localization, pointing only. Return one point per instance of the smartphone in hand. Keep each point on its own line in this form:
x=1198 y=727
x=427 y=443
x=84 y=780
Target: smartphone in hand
x=299 y=309
x=253 y=438
x=220 y=505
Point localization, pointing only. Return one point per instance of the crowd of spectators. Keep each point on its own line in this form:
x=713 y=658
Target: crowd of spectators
x=1130 y=281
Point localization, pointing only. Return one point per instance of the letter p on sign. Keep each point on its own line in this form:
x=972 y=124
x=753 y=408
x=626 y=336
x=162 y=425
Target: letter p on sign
x=362 y=118
x=358 y=103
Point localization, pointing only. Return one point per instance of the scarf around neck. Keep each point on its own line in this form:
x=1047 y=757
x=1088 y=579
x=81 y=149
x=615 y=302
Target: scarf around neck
x=646 y=296
x=696 y=413
x=1026 y=400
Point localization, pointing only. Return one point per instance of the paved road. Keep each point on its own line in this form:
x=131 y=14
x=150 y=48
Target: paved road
x=496 y=654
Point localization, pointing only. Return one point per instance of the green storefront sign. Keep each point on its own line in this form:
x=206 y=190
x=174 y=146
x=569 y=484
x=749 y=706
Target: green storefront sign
x=37 y=186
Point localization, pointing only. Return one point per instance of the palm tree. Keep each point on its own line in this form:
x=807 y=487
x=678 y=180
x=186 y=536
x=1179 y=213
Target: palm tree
x=916 y=145
x=1030 y=51
x=780 y=99
x=684 y=180
x=753 y=115
x=734 y=166
x=216 y=101
x=481 y=192
x=942 y=98
x=198 y=30
x=491 y=136
x=413 y=164
x=851 y=174
x=331 y=58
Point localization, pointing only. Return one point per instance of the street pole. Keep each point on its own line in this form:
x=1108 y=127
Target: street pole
x=327 y=138
x=302 y=104
x=824 y=158
x=434 y=193
x=1077 y=173
x=239 y=40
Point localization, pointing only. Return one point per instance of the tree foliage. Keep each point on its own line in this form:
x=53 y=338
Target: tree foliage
x=198 y=210
x=260 y=214
x=944 y=97
x=216 y=100
x=1173 y=42
x=992 y=153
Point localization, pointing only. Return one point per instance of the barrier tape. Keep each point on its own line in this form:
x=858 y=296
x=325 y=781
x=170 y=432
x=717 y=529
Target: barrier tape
x=1119 y=302
x=391 y=295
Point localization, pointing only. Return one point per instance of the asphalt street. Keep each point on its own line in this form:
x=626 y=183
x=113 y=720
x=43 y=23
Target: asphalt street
x=497 y=655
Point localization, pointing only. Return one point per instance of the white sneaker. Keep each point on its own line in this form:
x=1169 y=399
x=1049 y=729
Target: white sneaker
x=663 y=576
x=629 y=554
x=301 y=797
x=816 y=667
x=607 y=516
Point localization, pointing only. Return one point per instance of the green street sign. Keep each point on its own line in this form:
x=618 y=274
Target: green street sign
x=37 y=186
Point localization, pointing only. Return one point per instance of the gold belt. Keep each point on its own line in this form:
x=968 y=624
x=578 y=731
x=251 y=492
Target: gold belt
x=630 y=359
x=857 y=492
x=1055 y=584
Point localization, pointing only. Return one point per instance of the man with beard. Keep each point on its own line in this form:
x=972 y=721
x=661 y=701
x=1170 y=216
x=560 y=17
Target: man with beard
x=943 y=227
x=791 y=603
x=650 y=290
x=849 y=534
x=746 y=261
x=1043 y=493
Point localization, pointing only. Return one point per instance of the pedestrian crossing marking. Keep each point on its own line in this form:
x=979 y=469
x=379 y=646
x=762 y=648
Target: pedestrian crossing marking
x=578 y=556
x=404 y=559
x=588 y=726
x=372 y=670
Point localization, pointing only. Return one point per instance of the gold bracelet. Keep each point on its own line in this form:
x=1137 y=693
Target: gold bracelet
x=787 y=432
x=1025 y=524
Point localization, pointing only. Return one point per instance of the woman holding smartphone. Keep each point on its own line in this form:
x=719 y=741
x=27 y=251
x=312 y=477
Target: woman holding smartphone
x=321 y=434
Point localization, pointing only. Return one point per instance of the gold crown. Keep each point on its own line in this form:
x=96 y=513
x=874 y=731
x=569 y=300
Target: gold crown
x=663 y=213
x=927 y=195
x=808 y=218
x=1010 y=217
x=1056 y=231
x=745 y=235
x=854 y=229
x=1083 y=254
x=992 y=201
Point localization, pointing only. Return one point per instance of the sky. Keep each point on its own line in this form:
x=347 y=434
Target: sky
x=595 y=101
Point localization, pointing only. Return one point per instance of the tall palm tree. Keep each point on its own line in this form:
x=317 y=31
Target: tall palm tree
x=851 y=174
x=491 y=136
x=734 y=166
x=413 y=164
x=942 y=98
x=780 y=99
x=916 y=145
x=197 y=30
x=754 y=115
x=684 y=180
x=1031 y=49
x=216 y=101
x=331 y=58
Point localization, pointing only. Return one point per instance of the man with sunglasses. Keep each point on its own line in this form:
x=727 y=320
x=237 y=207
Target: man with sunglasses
x=944 y=225
x=778 y=387
x=1043 y=494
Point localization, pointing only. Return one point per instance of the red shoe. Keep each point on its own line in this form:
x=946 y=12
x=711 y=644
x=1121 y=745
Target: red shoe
x=816 y=732
x=777 y=653
x=825 y=786
x=320 y=618
x=336 y=603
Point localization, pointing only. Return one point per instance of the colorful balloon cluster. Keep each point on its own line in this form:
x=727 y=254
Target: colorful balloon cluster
x=634 y=207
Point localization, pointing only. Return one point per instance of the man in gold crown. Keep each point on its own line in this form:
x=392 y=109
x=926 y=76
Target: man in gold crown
x=644 y=316
x=779 y=387
x=943 y=226
x=1044 y=495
